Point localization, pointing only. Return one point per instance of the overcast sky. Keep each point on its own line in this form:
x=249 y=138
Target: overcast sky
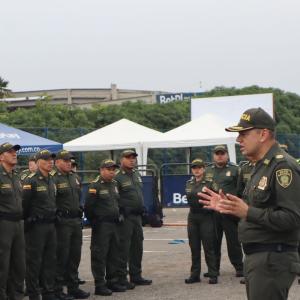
x=168 y=45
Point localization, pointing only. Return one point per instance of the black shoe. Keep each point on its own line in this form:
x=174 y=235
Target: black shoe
x=103 y=291
x=81 y=281
x=63 y=296
x=79 y=294
x=239 y=273
x=127 y=284
x=116 y=287
x=208 y=275
x=141 y=281
x=213 y=280
x=242 y=281
x=192 y=280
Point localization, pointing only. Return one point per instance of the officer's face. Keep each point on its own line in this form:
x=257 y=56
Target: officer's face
x=220 y=158
x=64 y=166
x=32 y=166
x=250 y=142
x=45 y=164
x=198 y=171
x=108 y=173
x=9 y=157
x=128 y=162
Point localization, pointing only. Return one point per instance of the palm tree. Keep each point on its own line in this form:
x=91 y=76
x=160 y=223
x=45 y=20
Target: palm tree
x=4 y=91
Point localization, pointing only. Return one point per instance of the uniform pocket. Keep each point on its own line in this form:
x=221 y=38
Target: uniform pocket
x=295 y=268
x=260 y=198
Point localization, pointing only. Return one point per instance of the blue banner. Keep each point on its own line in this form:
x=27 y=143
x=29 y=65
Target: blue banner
x=173 y=190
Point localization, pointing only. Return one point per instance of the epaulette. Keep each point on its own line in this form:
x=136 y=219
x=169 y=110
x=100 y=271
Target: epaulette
x=117 y=171
x=230 y=163
x=31 y=175
x=279 y=157
x=52 y=172
x=114 y=181
x=243 y=163
x=96 y=179
x=209 y=164
x=191 y=179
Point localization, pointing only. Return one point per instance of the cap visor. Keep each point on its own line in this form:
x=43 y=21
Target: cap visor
x=237 y=128
x=16 y=147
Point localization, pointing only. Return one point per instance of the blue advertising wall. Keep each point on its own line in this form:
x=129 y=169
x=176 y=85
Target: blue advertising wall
x=173 y=190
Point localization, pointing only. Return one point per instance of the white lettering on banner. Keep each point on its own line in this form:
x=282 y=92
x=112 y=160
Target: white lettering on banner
x=179 y=199
x=163 y=99
x=9 y=135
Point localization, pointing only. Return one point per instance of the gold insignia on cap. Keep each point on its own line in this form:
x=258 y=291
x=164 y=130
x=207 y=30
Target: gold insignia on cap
x=246 y=117
x=284 y=177
x=263 y=183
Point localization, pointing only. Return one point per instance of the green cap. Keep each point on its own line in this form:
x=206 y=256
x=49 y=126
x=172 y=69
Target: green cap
x=129 y=152
x=220 y=148
x=254 y=118
x=108 y=163
x=7 y=146
x=64 y=154
x=198 y=162
x=44 y=154
x=32 y=157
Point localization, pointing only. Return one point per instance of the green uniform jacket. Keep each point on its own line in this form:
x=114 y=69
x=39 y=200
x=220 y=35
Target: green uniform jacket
x=39 y=196
x=192 y=189
x=102 y=200
x=130 y=187
x=223 y=178
x=244 y=176
x=272 y=194
x=68 y=192
x=24 y=174
x=10 y=193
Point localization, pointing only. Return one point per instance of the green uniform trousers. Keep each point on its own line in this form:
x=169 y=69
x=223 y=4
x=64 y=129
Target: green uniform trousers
x=269 y=275
x=201 y=230
x=12 y=260
x=131 y=246
x=69 y=243
x=229 y=225
x=40 y=259
x=104 y=252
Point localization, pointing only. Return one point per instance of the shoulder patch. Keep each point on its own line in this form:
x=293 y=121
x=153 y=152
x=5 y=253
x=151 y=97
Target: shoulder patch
x=284 y=177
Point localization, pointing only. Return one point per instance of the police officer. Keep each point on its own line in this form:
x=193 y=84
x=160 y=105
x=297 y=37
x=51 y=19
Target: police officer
x=68 y=227
x=270 y=209
x=32 y=167
x=244 y=175
x=200 y=226
x=131 y=232
x=39 y=205
x=223 y=175
x=102 y=210
x=12 y=244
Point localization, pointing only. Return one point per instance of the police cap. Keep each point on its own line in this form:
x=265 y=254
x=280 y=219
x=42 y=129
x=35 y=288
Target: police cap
x=44 y=154
x=129 y=152
x=108 y=163
x=64 y=154
x=7 y=146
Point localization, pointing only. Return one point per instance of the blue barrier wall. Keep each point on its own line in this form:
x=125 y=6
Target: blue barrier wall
x=173 y=190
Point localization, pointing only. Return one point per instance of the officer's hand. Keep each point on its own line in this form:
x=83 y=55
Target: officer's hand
x=233 y=205
x=210 y=199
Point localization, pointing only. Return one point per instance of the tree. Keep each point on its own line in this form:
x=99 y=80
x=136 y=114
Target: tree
x=4 y=91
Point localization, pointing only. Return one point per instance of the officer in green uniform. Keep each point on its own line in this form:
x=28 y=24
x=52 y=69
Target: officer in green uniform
x=39 y=206
x=12 y=244
x=200 y=226
x=102 y=210
x=68 y=227
x=32 y=167
x=131 y=232
x=223 y=175
x=270 y=209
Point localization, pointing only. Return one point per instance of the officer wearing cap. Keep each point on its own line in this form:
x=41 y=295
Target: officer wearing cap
x=223 y=175
x=68 y=227
x=39 y=206
x=32 y=167
x=131 y=232
x=269 y=209
x=12 y=244
x=102 y=210
x=200 y=226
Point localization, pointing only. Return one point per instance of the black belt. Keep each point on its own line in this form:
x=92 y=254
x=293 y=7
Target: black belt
x=256 y=248
x=10 y=217
x=68 y=214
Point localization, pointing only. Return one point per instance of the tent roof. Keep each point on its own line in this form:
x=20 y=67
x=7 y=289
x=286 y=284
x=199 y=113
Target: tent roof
x=118 y=135
x=204 y=131
x=30 y=143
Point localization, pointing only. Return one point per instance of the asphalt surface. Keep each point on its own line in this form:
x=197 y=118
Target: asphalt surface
x=167 y=262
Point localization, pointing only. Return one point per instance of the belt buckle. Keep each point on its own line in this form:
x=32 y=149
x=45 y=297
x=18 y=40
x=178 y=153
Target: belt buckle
x=279 y=248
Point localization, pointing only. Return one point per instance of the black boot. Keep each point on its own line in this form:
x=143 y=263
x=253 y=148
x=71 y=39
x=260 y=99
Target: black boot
x=213 y=280
x=116 y=287
x=79 y=294
x=140 y=281
x=192 y=279
x=103 y=291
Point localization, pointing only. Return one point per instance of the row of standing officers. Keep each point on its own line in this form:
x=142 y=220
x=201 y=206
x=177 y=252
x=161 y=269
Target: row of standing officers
x=41 y=229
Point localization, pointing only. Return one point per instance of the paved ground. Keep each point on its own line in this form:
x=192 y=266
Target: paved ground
x=168 y=265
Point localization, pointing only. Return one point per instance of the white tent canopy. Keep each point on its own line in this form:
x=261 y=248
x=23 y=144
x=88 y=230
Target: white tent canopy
x=207 y=130
x=122 y=134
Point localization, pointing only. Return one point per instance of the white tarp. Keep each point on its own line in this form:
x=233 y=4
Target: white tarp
x=207 y=130
x=122 y=134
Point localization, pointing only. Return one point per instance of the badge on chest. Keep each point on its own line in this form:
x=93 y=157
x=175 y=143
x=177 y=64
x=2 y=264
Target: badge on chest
x=263 y=183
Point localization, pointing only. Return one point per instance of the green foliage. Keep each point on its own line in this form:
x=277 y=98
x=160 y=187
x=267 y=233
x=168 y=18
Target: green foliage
x=4 y=91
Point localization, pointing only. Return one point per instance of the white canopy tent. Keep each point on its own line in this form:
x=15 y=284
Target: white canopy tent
x=123 y=134
x=207 y=130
